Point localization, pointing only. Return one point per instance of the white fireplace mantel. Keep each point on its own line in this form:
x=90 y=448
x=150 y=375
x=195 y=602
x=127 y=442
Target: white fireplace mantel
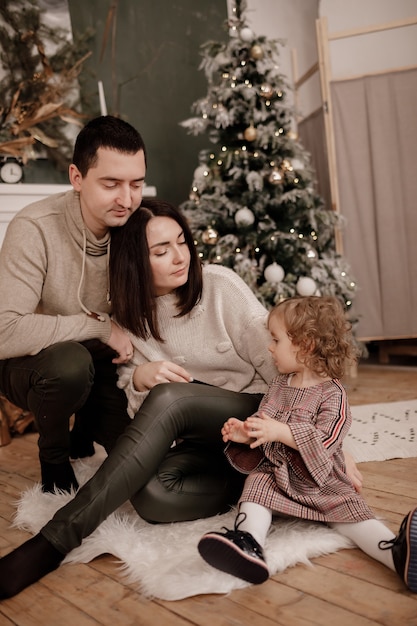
x=15 y=197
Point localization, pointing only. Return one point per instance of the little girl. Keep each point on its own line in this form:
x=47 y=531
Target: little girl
x=291 y=449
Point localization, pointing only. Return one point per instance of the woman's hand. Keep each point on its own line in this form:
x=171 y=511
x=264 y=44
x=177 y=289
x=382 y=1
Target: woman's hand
x=234 y=430
x=147 y=375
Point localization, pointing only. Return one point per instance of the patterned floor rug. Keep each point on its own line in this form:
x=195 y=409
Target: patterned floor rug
x=383 y=431
x=163 y=561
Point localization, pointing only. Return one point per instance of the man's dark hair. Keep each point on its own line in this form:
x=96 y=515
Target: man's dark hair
x=105 y=131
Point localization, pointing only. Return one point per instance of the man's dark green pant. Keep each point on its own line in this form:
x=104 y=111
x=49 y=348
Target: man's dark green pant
x=65 y=379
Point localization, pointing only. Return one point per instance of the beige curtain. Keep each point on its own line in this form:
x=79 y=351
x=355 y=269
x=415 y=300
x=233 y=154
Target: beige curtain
x=313 y=138
x=375 y=125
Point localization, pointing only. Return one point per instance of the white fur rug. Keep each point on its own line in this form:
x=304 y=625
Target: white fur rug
x=162 y=559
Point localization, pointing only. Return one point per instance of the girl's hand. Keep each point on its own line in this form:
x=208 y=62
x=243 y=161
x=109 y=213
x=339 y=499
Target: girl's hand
x=353 y=472
x=265 y=429
x=234 y=430
x=147 y=375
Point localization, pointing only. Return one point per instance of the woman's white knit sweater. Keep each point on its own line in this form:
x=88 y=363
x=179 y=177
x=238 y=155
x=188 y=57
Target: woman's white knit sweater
x=41 y=272
x=223 y=341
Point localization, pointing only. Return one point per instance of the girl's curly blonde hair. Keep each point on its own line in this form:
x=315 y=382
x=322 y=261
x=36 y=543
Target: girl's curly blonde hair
x=318 y=326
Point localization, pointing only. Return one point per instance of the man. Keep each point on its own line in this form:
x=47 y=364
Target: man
x=58 y=346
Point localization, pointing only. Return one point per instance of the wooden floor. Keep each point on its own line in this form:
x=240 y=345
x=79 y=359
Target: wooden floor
x=344 y=589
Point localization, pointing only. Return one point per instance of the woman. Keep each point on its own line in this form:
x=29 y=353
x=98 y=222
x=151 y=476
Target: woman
x=186 y=323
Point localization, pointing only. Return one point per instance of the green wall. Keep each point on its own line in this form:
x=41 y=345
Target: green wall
x=155 y=65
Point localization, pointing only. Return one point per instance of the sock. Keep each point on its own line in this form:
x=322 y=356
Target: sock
x=59 y=475
x=27 y=564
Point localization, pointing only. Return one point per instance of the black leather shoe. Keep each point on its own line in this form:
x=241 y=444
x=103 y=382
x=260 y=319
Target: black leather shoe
x=404 y=550
x=58 y=475
x=235 y=552
x=81 y=444
x=27 y=564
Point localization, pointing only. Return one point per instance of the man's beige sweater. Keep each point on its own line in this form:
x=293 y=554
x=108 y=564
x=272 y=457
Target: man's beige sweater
x=42 y=285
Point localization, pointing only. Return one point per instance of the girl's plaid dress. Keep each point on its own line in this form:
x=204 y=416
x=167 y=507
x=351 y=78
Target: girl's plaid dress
x=308 y=483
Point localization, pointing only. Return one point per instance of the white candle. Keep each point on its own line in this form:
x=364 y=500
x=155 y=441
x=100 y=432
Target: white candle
x=103 y=107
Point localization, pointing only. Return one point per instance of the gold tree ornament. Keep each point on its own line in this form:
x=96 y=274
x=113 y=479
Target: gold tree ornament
x=276 y=177
x=256 y=52
x=287 y=166
x=250 y=133
x=266 y=91
x=194 y=197
x=210 y=236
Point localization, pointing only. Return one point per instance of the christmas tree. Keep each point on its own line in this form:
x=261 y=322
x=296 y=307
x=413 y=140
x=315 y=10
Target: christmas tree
x=253 y=204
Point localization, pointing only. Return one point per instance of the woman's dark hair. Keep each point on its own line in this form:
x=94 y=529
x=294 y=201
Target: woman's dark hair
x=105 y=131
x=131 y=282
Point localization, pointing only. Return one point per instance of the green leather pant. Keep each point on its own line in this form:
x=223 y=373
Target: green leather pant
x=164 y=484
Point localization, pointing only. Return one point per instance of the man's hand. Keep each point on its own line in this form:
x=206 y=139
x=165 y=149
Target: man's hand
x=121 y=343
x=147 y=375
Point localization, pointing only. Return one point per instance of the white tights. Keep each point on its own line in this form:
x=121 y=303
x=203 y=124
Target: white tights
x=366 y=535
x=257 y=521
